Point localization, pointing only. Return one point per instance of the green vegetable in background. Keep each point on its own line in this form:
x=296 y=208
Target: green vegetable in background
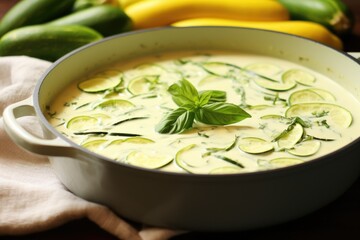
x=201 y=107
x=31 y=12
x=80 y=5
x=46 y=42
x=106 y=19
x=333 y=14
x=84 y=4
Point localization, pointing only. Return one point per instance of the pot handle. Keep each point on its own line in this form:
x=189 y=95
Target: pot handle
x=28 y=141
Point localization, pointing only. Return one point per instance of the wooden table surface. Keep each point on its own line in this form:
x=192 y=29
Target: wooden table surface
x=338 y=220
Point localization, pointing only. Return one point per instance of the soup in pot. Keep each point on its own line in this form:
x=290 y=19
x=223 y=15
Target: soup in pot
x=207 y=113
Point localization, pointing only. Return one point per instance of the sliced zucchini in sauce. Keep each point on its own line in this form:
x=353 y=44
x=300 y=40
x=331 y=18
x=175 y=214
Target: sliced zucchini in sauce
x=99 y=84
x=132 y=140
x=326 y=95
x=255 y=145
x=333 y=113
x=194 y=159
x=94 y=145
x=265 y=69
x=305 y=148
x=114 y=104
x=290 y=138
x=189 y=162
x=211 y=79
x=284 y=85
x=300 y=76
x=305 y=95
x=80 y=123
x=143 y=84
x=148 y=159
x=295 y=113
x=218 y=68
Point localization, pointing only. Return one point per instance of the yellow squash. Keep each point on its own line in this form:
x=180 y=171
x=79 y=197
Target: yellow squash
x=125 y=3
x=305 y=29
x=155 y=13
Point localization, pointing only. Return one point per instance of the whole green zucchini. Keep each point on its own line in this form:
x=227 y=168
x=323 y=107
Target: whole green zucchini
x=46 y=42
x=83 y=4
x=333 y=14
x=106 y=19
x=31 y=12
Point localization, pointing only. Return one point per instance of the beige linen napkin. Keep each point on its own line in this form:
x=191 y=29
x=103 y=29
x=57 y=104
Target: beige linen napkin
x=32 y=199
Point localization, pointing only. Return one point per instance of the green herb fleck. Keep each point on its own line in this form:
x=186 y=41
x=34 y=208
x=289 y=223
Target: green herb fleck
x=320 y=114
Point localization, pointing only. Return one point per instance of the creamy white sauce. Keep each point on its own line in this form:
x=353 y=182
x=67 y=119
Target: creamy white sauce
x=153 y=105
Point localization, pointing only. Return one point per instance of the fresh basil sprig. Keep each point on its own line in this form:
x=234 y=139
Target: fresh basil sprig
x=208 y=107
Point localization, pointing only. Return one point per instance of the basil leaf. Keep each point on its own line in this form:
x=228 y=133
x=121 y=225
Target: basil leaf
x=176 y=121
x=204 y=98
x=220 y=113
x=216 y=95
x=184 y=93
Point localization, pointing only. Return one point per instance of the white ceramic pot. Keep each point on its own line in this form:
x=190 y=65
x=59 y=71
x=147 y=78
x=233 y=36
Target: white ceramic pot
x=185 y=201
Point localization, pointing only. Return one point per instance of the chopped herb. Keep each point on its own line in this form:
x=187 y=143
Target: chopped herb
x=275 y=99
x=203 y=135
x=321 y=139
x=288 y=129
x=293 y=121
x=68 y=104
x=241 y=91
x=124 y=134
x=181 y=61
x=128 y=119
x=320 y=114
x=91 y=133
x=102 y=133
x=150 y=96
x=300 y=121
x=83 y=105
x=323 y=123
x=60 y=124
x=229 y=160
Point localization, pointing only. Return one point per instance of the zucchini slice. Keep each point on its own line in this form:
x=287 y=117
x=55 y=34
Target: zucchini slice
x=335 y=114
x=303 y=96
x=82 y=122
x=285 y=85
x=265 y=69
x=99 y=84
x=255 y=145
x=291 y=138
x=305 y=148
x=300 y=76
x=143 y=84
x=148 y=159
x=114 y=104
